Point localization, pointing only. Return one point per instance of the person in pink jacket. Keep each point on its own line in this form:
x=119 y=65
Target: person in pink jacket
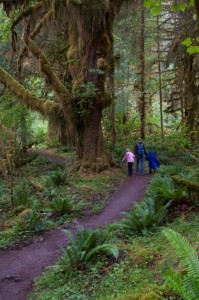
x=129 y=157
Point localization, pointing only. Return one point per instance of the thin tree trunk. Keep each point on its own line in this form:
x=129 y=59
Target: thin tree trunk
x=111 y=85
x=160 y=78
x=142 y=83
x=23 y=124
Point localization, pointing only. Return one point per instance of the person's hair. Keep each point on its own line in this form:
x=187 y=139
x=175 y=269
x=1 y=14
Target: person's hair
x=127 y=149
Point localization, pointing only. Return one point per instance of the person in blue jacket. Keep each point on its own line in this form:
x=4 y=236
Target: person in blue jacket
x=153 y=162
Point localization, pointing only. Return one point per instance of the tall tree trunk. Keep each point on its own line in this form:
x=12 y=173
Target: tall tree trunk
x=23 y=125
x=89 y=78
x=111 y=86
x=142 y=82
x=160 y=77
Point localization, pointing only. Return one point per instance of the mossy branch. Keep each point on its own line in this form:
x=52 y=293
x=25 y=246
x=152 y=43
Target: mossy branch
x=33 y=34
x=25 y=13
x=64 y=96
x=190 y=185
x=193 y=157
x=75 y=2
x=43 y=106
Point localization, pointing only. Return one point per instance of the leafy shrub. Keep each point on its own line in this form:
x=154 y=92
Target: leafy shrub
x=8 y=236
x=171 y=170
x=186 y=285
x=84 y=247
x=145 y=216
x=58 y=177
x=162 y=188
x=22 y=193
x=39 y=160
x=63 y=205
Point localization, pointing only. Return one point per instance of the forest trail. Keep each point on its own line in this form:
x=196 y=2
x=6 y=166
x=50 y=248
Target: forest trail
x=18 y=268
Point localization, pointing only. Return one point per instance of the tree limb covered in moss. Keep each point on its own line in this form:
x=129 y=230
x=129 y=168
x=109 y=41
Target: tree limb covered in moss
x=43 y=106
x=190 y=185
x=75 y=2
x=33 y=34
x=25 y=13
x=64 y=96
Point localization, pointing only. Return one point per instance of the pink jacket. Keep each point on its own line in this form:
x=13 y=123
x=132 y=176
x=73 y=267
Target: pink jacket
x=129 y=157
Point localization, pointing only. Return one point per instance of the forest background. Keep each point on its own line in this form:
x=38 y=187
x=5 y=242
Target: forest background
x=84 y=81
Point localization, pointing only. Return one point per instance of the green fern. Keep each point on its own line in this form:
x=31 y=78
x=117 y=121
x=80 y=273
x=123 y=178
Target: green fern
x=58 y=177
x=188 y=256
x=84 y=246
x=144 y=216
x=162 y=188
x=63 y=205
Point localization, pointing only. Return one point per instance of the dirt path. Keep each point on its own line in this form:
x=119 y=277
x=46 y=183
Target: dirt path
x=18 y=268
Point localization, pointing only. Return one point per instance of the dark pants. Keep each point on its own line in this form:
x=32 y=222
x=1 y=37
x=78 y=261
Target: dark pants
x=152 y=169
x=140 y=164
x=130 y=168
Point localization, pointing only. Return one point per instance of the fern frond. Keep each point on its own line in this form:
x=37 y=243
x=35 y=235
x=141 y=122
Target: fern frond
x=185 y=251
x=105 y=247
x=190 y=290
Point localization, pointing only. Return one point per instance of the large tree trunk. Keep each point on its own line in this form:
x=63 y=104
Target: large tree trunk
x=88 y=38
x=142 y=79
x=89 y=77
x=160 y=78
x=92 y=151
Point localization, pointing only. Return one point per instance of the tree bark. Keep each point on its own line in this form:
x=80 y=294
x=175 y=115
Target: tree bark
x=142 y=81
x=160 y=78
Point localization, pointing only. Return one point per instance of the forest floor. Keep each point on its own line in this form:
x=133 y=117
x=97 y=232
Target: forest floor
x=19 y=267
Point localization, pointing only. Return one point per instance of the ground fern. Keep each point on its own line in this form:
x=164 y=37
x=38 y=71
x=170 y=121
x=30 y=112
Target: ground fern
x=189 y=285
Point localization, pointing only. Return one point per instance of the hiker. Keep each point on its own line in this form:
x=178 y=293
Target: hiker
x=129 y=157
x=153 y=162
x=140 y=154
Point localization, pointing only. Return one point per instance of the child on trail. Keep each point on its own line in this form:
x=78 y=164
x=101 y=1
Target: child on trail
x=153 y=162
x=140 y=153
x=129 y=157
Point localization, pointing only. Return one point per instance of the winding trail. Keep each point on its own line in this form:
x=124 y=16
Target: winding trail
x=18 y=268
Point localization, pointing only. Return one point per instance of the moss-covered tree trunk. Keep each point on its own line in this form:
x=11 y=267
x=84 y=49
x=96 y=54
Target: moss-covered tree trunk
x=88 y=38
x=89 y=54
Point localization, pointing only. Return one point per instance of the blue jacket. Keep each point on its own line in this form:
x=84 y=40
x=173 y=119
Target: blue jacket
x=153 y=162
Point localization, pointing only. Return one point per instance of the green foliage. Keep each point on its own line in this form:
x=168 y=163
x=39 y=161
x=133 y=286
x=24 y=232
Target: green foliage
x=63 y=205
x=22 y=193
x=32 y=222
x=84 y=247
x=8 y=237
x=84 y=92
x=145 y=216
x=58 y=177
x=162 y=189
x=139 y=271
x=152 y=211
x=188 y=284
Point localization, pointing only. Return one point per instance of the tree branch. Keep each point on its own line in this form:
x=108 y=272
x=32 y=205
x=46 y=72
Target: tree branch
x=35 y=32
x=43 y=106
x=64 y=96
